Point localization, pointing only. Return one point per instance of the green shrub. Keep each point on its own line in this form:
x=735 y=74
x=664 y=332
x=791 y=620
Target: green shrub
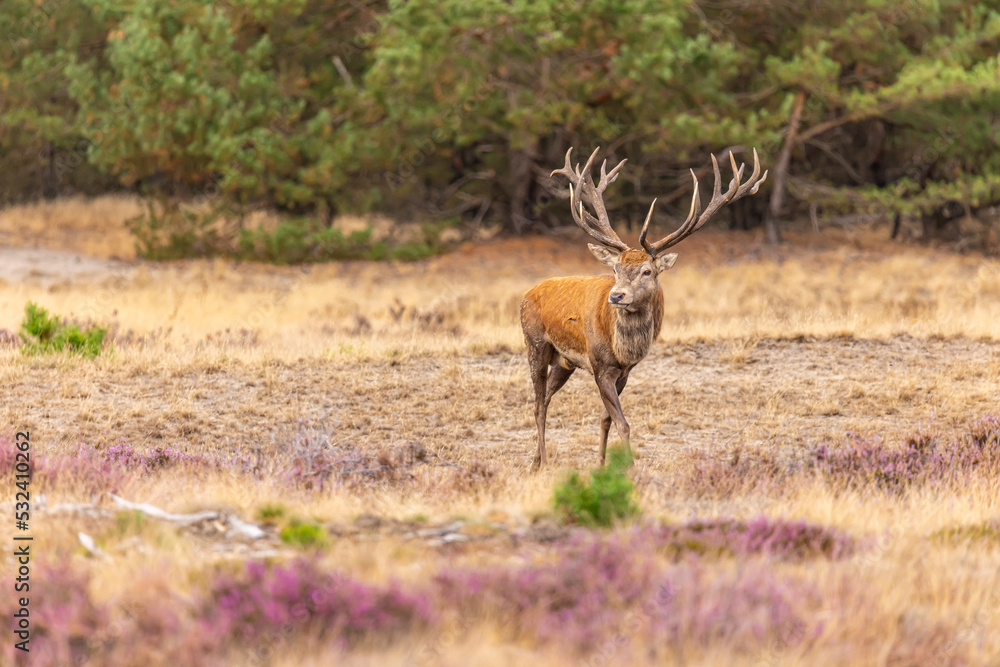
x=44 y=333
x=271 y=512
x=300 y=240
x=166 y=232
x=304 y=534
x=606 y=497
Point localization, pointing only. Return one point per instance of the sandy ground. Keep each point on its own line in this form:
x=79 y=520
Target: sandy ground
x=702 y=396
x=47 y=267
x=475 y=403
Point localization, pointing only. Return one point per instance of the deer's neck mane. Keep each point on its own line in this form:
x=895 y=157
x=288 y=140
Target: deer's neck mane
x=633 y=333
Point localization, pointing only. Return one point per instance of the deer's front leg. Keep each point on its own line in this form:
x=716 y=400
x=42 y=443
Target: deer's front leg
x=606 y=417
x=608 y=381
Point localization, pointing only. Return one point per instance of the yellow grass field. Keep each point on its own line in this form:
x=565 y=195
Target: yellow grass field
x=416 y=373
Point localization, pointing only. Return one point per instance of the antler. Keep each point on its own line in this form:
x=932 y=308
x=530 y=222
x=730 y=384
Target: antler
x=599 y=227
x=695 y=222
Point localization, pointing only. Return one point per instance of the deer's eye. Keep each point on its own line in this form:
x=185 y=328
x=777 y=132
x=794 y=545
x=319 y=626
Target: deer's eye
x=647 y=272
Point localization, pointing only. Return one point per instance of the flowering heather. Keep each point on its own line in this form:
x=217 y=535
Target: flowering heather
x=710 y=475
x=86 y=469
x=299 y=597
x=577 y=599
x=155 y=459
x=93 y=471
x=159 y=458
x=7 y=458
x=923 y=458
x=598 y=595
x=311 y=460
x=749 y=610
x=788 y=540
x=69 y=628
x=598 y=590
x=63 y=619
x=795 y=539
x=249 y=612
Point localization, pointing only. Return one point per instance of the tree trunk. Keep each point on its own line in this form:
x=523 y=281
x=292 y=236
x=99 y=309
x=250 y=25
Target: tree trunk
x=781 y=170
x=50 y=187
x=519 y=188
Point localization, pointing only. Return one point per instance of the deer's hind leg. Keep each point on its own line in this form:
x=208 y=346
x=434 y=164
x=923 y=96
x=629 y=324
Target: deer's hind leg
x=539 y=357
x=547 y=378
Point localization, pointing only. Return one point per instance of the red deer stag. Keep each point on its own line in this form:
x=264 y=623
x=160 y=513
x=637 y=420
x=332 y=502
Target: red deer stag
x=606 y=324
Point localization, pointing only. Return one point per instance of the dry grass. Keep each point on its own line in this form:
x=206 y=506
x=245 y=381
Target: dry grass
x=763 y=351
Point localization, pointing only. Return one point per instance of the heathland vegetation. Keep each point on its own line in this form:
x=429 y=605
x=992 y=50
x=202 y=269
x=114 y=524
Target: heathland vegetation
x=815 y=483
x=329 y=463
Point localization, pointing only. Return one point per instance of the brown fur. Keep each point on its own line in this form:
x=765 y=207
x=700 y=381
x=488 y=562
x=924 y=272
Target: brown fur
x=602 y=325
x=569 y=323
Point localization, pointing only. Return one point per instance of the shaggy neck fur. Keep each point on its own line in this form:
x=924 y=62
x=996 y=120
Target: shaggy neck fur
x=633 y=335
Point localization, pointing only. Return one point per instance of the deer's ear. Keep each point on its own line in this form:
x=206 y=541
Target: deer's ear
x=664 y=262
x=604 y=254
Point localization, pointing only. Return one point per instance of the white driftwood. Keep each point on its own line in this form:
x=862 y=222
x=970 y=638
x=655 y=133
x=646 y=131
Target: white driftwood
x=157 y=513
x=88 y=543
x=237 y=528
x=242 y=529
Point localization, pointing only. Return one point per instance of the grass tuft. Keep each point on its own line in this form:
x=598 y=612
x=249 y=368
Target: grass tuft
x=304 y=534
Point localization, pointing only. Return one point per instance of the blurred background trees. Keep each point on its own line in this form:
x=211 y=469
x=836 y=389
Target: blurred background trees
x=458 y=110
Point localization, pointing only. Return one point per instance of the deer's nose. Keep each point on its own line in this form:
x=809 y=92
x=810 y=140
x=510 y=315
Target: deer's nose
x=616 y=297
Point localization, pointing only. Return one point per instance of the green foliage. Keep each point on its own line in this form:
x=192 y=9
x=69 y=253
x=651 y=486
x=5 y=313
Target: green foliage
x=169 y=231
x=130 y=522
x=985 y=532
x=304 y=534
x=604 y=498
x=43 y=145
x=448 y=109
x=271 y=512
x=303 y=240
x=44 y=333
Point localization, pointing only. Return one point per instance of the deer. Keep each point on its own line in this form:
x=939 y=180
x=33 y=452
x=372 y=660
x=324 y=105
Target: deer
x=607 y=324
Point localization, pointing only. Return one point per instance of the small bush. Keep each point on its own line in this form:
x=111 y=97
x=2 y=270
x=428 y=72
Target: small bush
x=167 y=231
x=603 y=499
x=304 y=534
x=45 y=333
x=303 y=240
x=270 y=513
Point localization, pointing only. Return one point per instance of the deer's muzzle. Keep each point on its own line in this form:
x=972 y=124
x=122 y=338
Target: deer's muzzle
x=620 y=298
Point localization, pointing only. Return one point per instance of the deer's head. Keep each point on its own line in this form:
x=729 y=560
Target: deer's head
x=636 y=274
x=636 y=270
